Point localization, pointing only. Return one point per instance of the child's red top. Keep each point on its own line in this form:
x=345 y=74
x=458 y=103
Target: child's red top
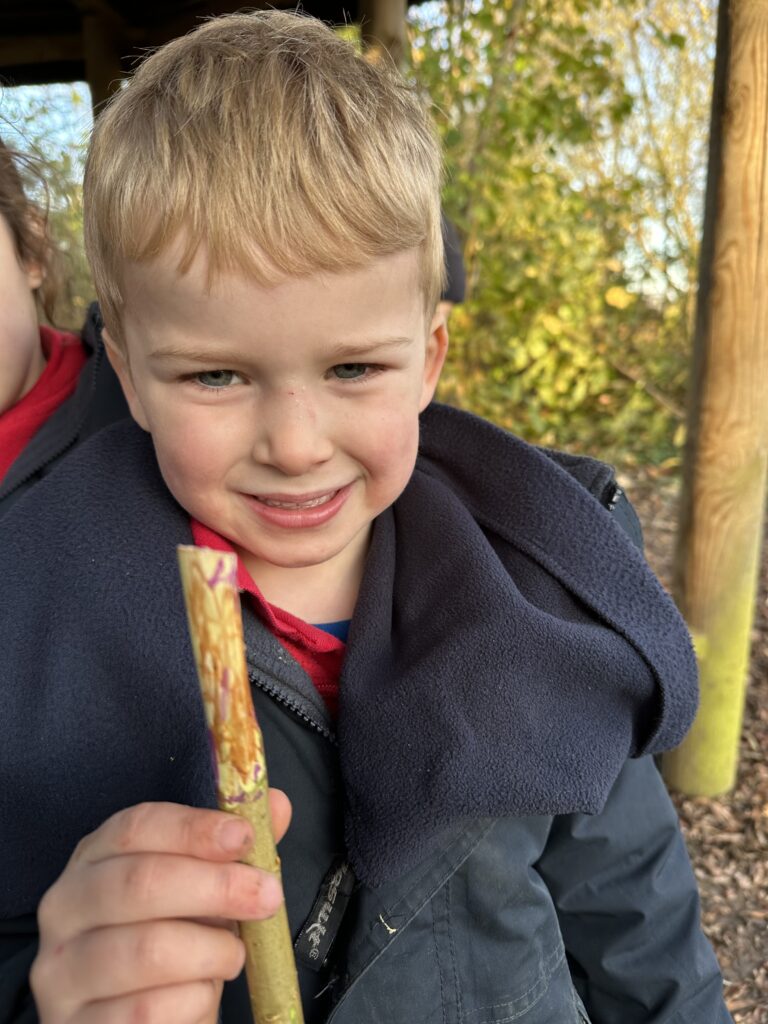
x=319 y=653
x=65 y=358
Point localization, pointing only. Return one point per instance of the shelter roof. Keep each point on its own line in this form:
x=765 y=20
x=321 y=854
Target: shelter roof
x=45 y=41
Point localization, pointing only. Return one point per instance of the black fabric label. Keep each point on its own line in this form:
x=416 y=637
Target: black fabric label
x=321 y=927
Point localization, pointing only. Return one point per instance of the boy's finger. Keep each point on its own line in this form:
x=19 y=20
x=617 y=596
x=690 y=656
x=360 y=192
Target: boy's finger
x=150 y=887
x=166 y=828
x=176 y=828
x=110 y=962
x=196 y=1002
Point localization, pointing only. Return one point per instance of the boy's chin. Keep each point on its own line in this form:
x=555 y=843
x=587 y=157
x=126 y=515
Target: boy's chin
x=288 y=560
x=340 y=557
x=337 y=559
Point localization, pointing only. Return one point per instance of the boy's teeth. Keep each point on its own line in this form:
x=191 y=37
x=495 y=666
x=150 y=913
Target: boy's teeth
x=312 y=503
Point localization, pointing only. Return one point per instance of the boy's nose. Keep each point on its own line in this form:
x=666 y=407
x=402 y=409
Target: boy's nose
x=290 y=436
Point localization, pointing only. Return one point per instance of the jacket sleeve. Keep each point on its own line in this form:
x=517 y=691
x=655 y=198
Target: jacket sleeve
x=628 y=906
x=18 y=948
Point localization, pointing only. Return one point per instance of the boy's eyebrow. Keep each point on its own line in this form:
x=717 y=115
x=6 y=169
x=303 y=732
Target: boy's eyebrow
x=344 y=352
x=194 y=355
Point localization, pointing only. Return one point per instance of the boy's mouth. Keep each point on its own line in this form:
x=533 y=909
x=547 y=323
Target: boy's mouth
x=281 y=501
x=299 y=511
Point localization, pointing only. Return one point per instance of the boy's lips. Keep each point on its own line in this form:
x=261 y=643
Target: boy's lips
x=299 y=511
x=297 y=500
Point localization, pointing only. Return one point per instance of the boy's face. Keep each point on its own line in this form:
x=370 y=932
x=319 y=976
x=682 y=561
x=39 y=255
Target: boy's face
x=286 y=417
x=21 y=357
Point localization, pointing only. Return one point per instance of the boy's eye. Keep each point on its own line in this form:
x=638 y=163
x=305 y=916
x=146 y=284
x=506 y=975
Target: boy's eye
x=216 y=378
x=350 y=371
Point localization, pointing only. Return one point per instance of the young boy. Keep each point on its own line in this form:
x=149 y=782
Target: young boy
x=454 y=646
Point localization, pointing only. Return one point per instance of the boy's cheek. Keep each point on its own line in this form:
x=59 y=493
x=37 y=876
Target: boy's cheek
x=393 y=446
x=182 y=455
x=189 y=479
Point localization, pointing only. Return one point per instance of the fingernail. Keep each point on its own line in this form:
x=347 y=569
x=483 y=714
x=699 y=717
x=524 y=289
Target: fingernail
x=233 y=836
x=265 y=897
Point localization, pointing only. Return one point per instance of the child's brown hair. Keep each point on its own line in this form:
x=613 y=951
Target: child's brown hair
x=269 y=141
x=28 y=223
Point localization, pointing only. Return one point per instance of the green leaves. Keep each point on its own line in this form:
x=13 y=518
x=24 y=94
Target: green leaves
x=580 y=259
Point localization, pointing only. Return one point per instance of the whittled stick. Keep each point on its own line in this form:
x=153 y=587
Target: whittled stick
x=215 y=625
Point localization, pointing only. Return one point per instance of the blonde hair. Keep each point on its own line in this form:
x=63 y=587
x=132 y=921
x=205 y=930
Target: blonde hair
x=268 y=140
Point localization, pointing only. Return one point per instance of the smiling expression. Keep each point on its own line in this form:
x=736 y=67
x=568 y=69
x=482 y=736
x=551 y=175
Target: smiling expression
x=286 y=417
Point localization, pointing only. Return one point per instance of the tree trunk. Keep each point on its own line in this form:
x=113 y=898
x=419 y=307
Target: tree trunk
x=724 y=484
x=383 y=29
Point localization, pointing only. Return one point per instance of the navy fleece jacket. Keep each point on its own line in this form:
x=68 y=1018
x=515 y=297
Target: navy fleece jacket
x=509 y=650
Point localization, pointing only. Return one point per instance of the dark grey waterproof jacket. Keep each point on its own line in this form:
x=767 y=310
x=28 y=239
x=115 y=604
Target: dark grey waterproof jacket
x=495 y=855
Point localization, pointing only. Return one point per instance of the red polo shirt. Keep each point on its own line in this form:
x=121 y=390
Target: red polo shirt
x=65 y=358
x=319 y=654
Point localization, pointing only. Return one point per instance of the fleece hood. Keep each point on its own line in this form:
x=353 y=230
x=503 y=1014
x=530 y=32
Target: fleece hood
x=509 y=650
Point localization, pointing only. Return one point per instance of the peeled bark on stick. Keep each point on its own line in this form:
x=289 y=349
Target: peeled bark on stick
x=216 y=628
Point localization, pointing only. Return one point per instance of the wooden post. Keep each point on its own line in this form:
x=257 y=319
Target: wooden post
x=724 y=489
x=104 y=43
x=383 y=28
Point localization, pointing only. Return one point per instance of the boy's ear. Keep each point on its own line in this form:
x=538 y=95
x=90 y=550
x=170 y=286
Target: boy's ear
x=119 y=360
x=437 y=348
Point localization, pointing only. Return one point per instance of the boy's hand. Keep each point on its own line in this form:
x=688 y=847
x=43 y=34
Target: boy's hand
x=140 y=924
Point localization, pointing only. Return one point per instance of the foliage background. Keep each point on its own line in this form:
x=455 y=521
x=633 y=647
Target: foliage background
x=575 y=136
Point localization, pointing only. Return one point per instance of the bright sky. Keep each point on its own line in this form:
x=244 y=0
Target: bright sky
x=52 y=118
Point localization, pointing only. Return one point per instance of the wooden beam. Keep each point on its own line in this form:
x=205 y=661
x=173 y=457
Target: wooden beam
x=727 y=458
x=179 y=25
x=108 y=41
x=18 y=51
x=104 y=46
x=101 y=8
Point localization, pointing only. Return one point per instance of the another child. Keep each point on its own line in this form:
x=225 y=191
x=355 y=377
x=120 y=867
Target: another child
x=56 y=388
x=454 y=645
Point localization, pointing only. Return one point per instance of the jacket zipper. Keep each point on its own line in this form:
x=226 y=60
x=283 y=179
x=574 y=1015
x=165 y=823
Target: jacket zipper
x=278 y=694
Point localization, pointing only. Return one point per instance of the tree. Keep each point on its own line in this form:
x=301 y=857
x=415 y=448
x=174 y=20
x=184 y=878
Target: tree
x=724 y=493
x=571 y=334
